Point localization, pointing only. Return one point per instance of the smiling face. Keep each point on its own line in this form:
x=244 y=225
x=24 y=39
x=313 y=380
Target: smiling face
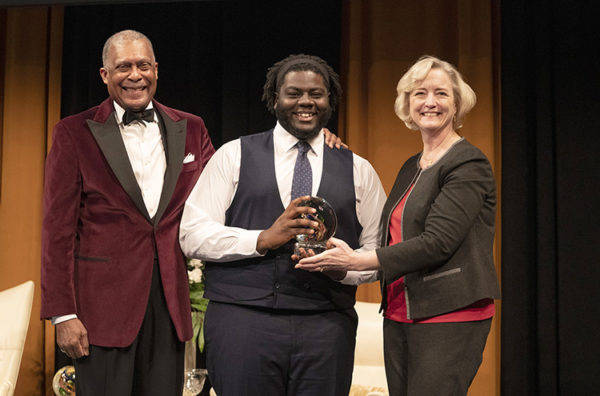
x=130 y=73
x=432 y=103
x=302 y=104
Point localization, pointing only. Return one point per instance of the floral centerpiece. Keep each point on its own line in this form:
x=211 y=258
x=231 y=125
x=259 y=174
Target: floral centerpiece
x=197 y=300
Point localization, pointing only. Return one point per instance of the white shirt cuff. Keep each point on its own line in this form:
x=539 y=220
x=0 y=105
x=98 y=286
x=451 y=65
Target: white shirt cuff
x=59 y=319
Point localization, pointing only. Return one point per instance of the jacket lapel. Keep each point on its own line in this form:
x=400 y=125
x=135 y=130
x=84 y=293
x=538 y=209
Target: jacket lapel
x=175 y=135
x=111 y=144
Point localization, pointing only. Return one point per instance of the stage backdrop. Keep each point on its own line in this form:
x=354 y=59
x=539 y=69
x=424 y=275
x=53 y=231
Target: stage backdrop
x=551 y=216
x=213 y=57
x=381 y=40
x=30 y=40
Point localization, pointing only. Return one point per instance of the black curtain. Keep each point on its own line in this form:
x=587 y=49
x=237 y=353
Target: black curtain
x=212 y=55
x=550 y=245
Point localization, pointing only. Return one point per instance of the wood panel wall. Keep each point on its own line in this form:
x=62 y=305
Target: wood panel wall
x=31 y=39
x=382 y=39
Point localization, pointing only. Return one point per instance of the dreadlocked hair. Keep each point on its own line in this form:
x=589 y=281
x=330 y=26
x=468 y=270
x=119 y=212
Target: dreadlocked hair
x=314 y=64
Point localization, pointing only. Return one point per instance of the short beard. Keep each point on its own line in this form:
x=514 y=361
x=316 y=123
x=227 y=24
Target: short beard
x=324 y=117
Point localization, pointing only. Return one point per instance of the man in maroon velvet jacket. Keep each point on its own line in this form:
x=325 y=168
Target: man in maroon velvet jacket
x=114 y=279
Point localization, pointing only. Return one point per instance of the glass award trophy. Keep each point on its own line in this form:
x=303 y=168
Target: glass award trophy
x=327 y=220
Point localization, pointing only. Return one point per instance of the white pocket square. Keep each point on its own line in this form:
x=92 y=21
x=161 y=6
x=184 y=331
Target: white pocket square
x=189 y=158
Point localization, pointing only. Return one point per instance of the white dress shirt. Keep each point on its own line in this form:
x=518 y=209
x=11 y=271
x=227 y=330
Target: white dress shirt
x=146 y=153
x=203 y=234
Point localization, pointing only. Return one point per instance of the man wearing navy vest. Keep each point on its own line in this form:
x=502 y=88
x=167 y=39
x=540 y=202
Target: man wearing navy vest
x=271 y=329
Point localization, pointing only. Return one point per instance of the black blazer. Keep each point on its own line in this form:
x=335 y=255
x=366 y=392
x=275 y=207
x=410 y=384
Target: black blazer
x=448 y=233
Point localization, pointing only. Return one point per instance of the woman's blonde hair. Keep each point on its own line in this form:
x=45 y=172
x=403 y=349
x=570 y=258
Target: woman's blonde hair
x=464 y=96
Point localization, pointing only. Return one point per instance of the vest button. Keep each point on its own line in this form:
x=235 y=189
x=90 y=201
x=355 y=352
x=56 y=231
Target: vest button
x=277 y=285
x=307 y=285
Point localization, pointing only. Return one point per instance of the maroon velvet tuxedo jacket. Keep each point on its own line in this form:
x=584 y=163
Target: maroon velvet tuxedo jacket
x=98 y=241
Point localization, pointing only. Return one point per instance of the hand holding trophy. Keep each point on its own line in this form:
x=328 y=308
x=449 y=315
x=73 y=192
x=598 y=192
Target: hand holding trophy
x=327 y=220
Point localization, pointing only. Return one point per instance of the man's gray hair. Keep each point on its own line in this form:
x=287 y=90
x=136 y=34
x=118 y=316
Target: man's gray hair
x=123 y=35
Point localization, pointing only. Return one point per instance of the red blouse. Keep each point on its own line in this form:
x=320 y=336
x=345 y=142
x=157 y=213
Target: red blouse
x=396 y=291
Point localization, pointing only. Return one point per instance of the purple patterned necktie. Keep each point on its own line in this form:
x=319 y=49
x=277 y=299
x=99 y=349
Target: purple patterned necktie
x=302 y=182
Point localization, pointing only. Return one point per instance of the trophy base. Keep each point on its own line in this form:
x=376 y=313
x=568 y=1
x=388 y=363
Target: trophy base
x=315 y=247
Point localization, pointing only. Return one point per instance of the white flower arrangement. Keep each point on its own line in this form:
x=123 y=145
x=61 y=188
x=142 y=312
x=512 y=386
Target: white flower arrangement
x=197 y=300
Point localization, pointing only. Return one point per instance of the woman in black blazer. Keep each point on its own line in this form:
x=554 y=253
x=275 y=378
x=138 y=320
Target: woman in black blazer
x=436 y=261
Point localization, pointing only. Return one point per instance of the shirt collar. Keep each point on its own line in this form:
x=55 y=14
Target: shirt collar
x=119 y=111
x=286 y=141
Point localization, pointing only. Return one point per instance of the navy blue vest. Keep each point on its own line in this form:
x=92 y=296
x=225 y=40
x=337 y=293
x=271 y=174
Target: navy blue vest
x=271 y=281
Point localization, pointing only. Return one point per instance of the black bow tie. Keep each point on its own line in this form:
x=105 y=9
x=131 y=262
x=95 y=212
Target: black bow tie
x=146 y=115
